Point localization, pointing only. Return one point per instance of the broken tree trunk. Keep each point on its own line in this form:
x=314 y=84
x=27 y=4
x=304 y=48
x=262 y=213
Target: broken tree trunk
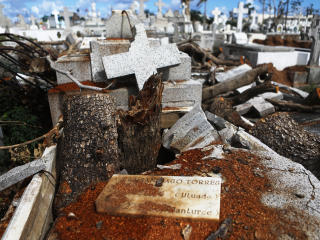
x=194 y=51
x=290 y=106
x=139 y=128
x=252 y=92
x=235 y=83
x=89 y=148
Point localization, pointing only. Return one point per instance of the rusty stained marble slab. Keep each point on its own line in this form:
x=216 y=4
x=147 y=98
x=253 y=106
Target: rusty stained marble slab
x=168 y=196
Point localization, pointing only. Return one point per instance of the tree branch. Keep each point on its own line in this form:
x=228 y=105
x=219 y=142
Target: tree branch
x=79 y=84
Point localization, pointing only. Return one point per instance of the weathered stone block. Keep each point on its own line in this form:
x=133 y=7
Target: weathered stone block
x=180 y=72
x=171 y=196
x=101 y=48
x=181 y=94
x=235 y=72
x=79 y=65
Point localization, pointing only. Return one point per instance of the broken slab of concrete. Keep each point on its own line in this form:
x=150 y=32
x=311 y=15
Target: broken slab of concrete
x=181 y=95
x=262 y=107
x=33 y=216
x=141 y=60
x=218 y=122
x=101 y=48
x=235 y=72
x=20 y=173
x=182 y=197
x=191 y=131
x=78 y=65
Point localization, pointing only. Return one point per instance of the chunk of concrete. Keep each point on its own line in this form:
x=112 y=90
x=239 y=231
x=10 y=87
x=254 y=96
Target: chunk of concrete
x=243 y=108
x=218 y=122
x=141 y=60
x=180 y=72
x=189 y=131
x=78 y=65
x=235 y=72
x=181 y=94
x=263 y=107
x=20 y=173
x=101 y=48
x=272 y=95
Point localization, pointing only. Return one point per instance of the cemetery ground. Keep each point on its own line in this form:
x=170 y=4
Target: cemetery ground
x=268 y=184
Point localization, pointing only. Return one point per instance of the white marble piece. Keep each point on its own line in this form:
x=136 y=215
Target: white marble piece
x=141 y=60
x=168 y=196
x=232 y=73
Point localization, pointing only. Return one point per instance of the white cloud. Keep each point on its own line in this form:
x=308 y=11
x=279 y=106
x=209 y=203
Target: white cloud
x=35 y=10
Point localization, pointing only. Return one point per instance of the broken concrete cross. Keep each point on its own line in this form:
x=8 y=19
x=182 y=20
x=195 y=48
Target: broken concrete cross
x=20 y=173
x=168 y=196
x=141 y=60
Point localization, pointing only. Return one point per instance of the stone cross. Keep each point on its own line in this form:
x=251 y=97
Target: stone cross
x=66 y=16
x=159 y=4
x=216 y=13
x=141 y=60
x=141 y=8
x=240 y=11
x=55 y=13
x=21 y=20
x=254 y=20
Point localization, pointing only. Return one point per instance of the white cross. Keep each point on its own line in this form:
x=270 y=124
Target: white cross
x=216 y=13
x=240 y=11
x=141 y=60
x=141 y=8
x=55 y=13
x=66 y=16
x=33 y=20
x=159 y=4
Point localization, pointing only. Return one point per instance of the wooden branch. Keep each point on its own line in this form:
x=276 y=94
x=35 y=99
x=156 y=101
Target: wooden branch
x=294 y=106
x=235 y=83
x=252 y=92
x=192 y=49
x=79 y=84
x=55 y=131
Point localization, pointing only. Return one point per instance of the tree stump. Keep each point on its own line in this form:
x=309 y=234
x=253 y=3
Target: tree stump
x=139 y=128
x=89 y=148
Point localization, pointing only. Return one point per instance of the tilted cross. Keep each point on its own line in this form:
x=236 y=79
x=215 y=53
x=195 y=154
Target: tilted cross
x=159 y=4
x=141 y=7
x=141 y=60
x=240 y=11
x=216 y=13
x=66 y=16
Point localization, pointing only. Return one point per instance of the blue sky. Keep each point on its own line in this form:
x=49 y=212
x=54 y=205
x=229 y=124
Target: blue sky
x=41 y=7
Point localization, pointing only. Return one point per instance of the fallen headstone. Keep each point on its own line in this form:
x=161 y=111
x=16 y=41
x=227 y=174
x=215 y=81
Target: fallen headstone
x=141 y=60
x=235 y=72
x=168 y=196
x=191 y=131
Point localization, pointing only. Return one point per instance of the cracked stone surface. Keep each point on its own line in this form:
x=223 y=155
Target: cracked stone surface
x=141 y=60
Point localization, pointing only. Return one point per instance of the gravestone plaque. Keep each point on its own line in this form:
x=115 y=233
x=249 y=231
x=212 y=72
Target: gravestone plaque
x=167 y=196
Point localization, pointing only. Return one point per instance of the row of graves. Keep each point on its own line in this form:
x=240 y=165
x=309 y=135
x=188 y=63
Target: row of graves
x=169 y=141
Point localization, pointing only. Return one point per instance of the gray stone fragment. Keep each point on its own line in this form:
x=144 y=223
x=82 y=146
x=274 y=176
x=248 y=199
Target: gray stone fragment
x=20 y=173
x=217 y=152
x=181 y=94
x=243 y=108
x=101 y=48
x=180 y=72
x=272 y=95
x=191 y=131
x=218 y=122
x=235 y=72
x=141 y=60
x=264 y=108
x=78 y=64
